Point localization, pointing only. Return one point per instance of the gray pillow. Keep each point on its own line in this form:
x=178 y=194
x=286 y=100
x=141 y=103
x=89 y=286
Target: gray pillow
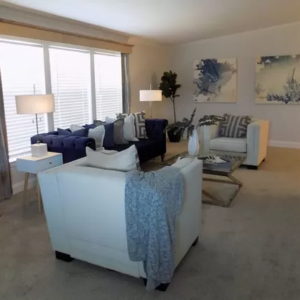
x=119 y=132
x=234 y=126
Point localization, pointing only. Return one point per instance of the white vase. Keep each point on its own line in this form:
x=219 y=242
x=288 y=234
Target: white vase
x=193 y=145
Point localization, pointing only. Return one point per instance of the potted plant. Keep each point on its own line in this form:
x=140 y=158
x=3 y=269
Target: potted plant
x=192 y=134
x=169 y=88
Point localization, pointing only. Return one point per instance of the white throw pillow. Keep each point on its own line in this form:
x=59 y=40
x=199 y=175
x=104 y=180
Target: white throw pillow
x=122 y=161
x=75 y=127
x=128 y=128
x=98 y=134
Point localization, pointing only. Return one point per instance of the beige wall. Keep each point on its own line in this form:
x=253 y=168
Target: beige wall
x=147 y=63
x=284 y=120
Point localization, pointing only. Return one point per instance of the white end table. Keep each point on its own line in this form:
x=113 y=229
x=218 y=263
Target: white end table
x=33 y=165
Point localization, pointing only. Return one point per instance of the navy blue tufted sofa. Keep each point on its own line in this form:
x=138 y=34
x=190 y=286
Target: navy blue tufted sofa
x=73 y=147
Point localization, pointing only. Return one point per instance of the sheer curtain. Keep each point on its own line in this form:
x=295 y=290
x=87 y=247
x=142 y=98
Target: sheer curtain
x=5 y=180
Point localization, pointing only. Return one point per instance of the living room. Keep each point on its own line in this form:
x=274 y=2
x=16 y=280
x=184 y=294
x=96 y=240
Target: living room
x=246 y=250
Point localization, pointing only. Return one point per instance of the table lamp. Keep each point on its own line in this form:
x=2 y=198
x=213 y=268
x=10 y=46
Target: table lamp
x=35 y=104
x=150 y=96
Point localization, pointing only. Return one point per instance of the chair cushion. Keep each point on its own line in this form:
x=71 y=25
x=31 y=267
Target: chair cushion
x=229 y=144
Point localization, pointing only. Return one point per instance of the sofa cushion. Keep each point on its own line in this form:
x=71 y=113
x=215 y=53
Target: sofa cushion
x=128 y=127
x=108 y=141
x=81 y=132
x=98 y=134
x=118 y=130
x=234 y=126
x=229 y=144
x=95 y=132
x=61 y=131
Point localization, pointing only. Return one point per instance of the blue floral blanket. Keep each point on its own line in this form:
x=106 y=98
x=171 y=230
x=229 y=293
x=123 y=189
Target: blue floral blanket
x=153 y=200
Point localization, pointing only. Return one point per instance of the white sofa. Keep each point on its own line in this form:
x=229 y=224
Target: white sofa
x=85 y=212
x=254 y=147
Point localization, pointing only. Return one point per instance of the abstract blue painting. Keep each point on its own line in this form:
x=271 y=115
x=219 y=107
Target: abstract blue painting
x=215 y=80
x=278 y=79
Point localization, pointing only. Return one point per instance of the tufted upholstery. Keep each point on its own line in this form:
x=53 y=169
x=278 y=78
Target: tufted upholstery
x=73 y=147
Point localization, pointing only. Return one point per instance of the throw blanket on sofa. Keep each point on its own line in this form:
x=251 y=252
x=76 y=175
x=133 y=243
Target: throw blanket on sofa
x=153 y=200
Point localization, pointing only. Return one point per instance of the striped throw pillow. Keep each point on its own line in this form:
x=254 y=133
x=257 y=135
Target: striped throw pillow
x=234 y=126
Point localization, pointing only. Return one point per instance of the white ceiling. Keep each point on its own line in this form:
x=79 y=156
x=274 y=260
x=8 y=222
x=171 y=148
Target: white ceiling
x=173 y=21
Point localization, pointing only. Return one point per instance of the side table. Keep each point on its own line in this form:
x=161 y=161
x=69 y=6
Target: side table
x=33 y=165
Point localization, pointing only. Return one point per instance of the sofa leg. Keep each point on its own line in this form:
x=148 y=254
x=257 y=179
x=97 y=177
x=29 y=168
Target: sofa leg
x=252 y=167
x=63 y=256
x=195 y=242
x=162 y=287
x=162 y=157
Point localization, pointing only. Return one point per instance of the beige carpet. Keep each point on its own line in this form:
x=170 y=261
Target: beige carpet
x=248 y=251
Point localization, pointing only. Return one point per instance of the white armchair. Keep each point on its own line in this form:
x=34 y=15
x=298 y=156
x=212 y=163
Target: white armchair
x=254 y=147
x=85 y=212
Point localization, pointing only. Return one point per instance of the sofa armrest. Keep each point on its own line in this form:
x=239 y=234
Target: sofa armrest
x=257 y=142
x=71 y=147
x=208 y=133
x=155 y=128
x=33 y=139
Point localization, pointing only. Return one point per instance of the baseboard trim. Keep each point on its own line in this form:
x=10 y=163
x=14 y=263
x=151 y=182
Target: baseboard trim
x=281 y=144
x=19 y=186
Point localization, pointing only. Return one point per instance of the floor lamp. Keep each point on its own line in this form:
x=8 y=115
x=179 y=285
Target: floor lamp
x=150 y=96
x=35 y=104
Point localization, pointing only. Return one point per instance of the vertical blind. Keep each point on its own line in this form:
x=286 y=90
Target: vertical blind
x=22 y=70
x=71 y=84
x=108 y=82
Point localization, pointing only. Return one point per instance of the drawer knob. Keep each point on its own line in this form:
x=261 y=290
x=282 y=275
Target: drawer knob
x=50 y=163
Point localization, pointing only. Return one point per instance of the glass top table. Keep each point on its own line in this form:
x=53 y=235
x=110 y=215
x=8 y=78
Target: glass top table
x=234 y=162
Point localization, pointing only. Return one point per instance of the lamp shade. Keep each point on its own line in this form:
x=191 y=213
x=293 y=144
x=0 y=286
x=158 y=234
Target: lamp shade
x=150 y=95
x=35 y=104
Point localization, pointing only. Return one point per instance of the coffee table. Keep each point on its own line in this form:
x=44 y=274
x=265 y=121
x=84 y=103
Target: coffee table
x=235 y=160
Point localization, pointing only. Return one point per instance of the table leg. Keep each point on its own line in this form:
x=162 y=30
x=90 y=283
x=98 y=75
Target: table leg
x=214 y=200
x=235 y=180
x=39 y=195
x=25 y=188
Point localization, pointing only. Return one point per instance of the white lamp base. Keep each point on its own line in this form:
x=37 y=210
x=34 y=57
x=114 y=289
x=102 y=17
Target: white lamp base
x=38 y=150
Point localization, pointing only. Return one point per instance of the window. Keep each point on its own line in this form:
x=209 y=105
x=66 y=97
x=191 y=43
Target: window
x=108 y=82
x=71 y=85
x=22 y=72
x=70 y=74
